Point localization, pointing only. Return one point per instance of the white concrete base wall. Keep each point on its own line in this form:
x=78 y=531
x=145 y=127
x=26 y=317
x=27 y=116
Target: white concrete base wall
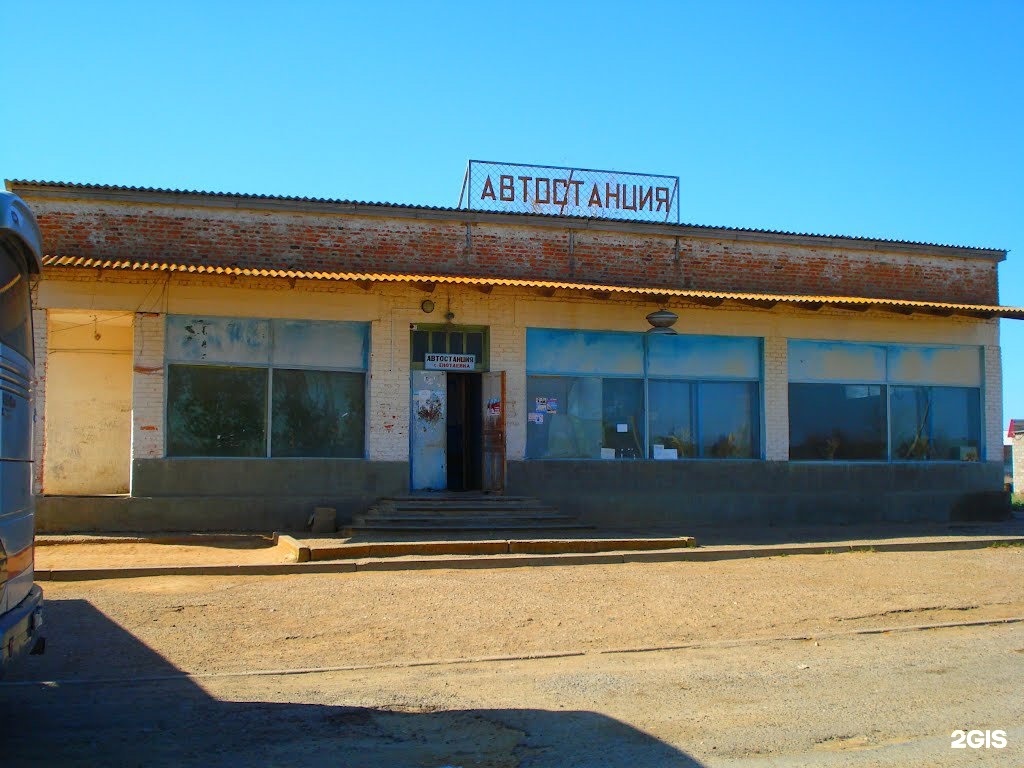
x=88 y=401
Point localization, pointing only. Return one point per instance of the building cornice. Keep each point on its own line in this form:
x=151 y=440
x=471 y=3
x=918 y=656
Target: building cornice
x=54 y=191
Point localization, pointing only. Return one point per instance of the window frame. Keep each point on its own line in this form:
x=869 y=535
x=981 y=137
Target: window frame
x=758 y=424
x=887 y=385
x=269 y=367
x=482 y=365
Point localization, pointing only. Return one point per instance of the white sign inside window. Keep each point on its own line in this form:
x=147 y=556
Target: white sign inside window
x=435 y=361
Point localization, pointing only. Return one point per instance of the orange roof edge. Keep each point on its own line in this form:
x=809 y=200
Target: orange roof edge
x=683 y=293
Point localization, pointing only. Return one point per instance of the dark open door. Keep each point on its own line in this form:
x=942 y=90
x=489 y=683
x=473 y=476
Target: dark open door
x=493 y=402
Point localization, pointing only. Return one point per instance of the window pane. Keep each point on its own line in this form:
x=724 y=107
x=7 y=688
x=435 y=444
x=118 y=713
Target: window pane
x=419 y=346
x=956 y=423
x=623 y=418
x=438 y=342
x=942 y=423
x=216 y=411
x=935 y=365
x=699 y=357
x=15 y=329
x=318 y=413
x=910 y=416
x=455 y=343
x=836 y=361
x=564 y=418
x=320 y=343
x=730 y=420
x=243 y=341
x=475 y=346
x=837 y=421
x=571 y=352
x=584 y=418
x=671 y=420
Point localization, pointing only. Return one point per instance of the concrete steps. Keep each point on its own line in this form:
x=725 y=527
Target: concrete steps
x=462 y=512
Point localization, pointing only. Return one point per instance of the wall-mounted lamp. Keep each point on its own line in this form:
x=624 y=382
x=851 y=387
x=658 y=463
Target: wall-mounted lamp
x=427 y=306
x=662 y=321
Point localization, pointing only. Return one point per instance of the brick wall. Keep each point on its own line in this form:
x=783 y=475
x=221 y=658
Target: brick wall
x=344 y=241
x=148 y=386
x=1018 y=465
x=993 y=405
x=776 y=398
x=40 y=333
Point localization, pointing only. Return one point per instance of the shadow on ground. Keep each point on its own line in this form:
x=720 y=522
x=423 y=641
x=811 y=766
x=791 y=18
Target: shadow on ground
x=115 y=701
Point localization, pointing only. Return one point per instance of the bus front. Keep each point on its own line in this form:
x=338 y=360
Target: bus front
x=21 y=600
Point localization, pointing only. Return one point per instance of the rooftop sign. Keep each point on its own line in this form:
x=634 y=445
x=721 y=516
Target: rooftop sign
x=556 y=191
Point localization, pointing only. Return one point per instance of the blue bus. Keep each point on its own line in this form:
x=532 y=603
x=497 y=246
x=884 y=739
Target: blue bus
x=21 y=600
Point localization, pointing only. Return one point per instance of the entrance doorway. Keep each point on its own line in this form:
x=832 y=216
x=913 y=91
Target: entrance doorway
x=457 y=426
x=465 y=432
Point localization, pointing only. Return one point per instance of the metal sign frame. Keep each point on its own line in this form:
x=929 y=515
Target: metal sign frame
x=560 y=191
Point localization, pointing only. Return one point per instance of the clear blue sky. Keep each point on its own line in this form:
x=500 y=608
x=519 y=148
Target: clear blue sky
x=883 y=119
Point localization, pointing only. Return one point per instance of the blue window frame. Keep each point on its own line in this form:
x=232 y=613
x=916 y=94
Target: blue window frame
x=265 y=388
x=606 y=394
x=884 y=402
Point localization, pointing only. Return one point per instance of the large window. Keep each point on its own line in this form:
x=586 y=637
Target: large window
x=604 y=395
x=873 y=402
x=252 y=387
x=705 y=397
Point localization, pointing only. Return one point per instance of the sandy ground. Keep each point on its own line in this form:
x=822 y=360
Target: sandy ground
x=212 y=623
x=118 y=555
x=737 y=698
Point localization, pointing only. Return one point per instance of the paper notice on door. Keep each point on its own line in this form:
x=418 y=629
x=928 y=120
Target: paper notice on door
x=607 y=453
x=536 y=418
x=622 y=428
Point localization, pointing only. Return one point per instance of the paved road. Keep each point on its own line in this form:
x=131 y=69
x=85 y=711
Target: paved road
x=890 y=699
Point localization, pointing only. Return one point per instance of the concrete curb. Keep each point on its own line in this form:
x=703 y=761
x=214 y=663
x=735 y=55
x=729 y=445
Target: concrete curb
x=707 y=554
x=486 y=547
x=67 y=539
x=294 y=551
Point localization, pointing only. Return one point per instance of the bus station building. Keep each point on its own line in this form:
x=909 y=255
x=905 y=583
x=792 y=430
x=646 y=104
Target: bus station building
x=211 y=361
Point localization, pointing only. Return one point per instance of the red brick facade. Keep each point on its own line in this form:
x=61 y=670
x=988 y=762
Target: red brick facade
x=439 y=243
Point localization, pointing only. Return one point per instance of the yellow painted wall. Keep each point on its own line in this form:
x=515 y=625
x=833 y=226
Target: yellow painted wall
x=87 y=447
x=508 y=311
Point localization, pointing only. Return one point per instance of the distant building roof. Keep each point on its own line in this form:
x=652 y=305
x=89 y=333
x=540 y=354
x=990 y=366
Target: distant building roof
x=1016 y=427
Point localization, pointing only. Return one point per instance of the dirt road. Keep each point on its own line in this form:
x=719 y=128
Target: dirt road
x=736 y=697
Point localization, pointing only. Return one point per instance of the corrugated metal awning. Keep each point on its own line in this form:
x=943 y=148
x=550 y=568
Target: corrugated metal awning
x=548 y=288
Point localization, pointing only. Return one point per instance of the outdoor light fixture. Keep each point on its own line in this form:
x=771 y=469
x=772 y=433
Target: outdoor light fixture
x=662 y=321
x=427 y=306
